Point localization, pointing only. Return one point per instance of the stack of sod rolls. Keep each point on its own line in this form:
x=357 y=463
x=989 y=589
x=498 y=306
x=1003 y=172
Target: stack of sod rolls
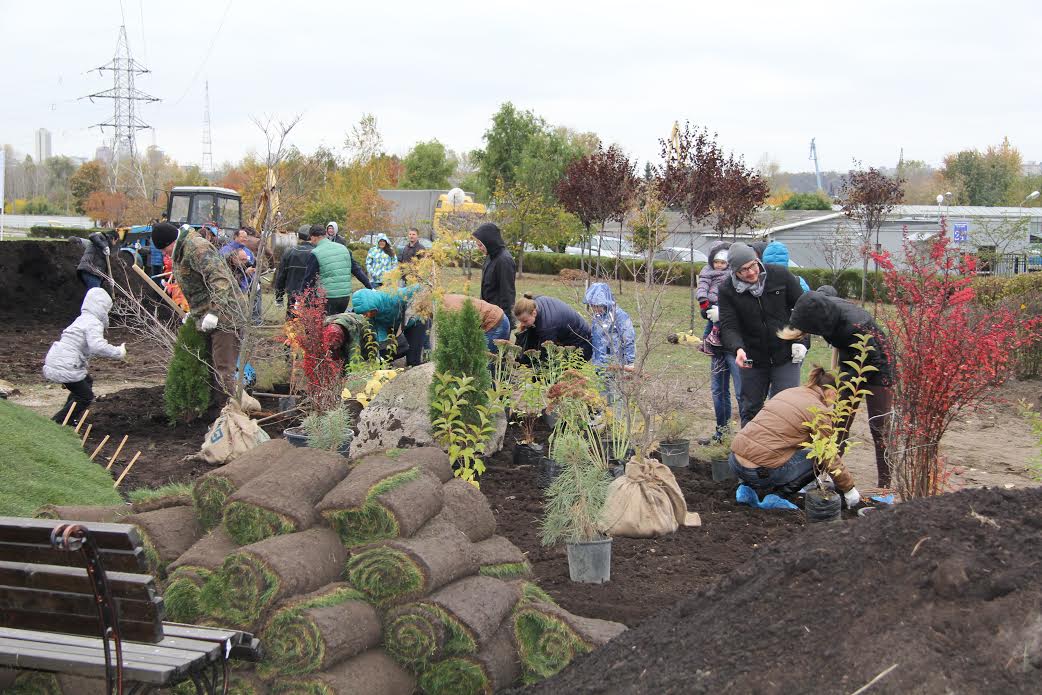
x=383 y=575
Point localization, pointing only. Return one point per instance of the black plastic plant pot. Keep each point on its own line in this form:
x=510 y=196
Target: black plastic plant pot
x=675 y=454
x=296 y=436
x=590 y=562
x=722 y=470
x=547 y=472
x=822 y=505
x=527 y=454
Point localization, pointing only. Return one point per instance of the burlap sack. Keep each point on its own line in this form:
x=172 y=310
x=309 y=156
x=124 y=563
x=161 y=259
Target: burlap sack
x=644 y=503
x=231 y=434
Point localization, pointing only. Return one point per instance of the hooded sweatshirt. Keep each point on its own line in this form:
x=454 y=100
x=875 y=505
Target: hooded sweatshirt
x=838 y=322
x=497 y=275
x=612 y=334
x=777 y=253
x=67 y=360
x=389 y=306
x=709 y=279
x=378 y=261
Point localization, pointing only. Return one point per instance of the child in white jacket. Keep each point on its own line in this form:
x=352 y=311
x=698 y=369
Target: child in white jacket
x=67 y=360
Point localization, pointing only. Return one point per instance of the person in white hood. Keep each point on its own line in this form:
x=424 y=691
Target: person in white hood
x=67 y=360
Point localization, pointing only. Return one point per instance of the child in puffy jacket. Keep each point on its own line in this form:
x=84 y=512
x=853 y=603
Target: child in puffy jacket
x=67 y=360
x=611 y=330
x=712 y=275
x=778 y=254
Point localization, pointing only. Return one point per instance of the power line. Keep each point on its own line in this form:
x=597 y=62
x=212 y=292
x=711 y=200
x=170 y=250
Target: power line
x=209 y=50
x=207 y=162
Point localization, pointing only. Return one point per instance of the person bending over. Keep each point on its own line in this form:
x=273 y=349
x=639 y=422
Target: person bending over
x=547 y=319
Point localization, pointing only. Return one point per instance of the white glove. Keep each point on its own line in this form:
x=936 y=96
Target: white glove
x=713 y=313
x=106 y=250
x=799 y=351
x=209 y=323
x=184 y=319
x=123 y=351
x=852 y=497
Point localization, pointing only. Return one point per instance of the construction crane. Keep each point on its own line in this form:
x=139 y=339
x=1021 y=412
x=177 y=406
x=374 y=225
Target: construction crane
x=817 y=169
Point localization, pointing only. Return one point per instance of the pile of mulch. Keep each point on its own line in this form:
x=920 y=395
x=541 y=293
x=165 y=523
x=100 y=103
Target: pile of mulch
x=38 y=282
x=647 y=575
x=937 y=595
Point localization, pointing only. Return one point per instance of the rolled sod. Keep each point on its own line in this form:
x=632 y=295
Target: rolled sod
x=257 y=576
x=549 y=637
x=282 y=500
x=458 y=619
x=190 y=572
x=431 y=459
x=495 y=667
x=371 y=673
x=212 y=490
x=108 y=515
x=163 y=502
x=467 y=509
x=313 y=632
x=404 y=570
x=246 y=683
x=498 y=557
x=166 y=533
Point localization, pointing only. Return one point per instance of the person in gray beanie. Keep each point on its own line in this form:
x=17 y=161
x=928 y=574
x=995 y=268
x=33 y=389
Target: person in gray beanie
x=755 y=303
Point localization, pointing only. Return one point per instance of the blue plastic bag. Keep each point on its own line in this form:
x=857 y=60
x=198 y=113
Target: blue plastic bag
x=746 y=495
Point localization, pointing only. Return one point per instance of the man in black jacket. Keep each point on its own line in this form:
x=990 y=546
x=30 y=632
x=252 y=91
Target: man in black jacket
x=94 y=263
x=497 y=275
x=755 y=303
x=292 y=269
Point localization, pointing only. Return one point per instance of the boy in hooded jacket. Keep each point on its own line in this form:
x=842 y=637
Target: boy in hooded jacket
x=611 y=330
x=497 y=275
x=67 y=361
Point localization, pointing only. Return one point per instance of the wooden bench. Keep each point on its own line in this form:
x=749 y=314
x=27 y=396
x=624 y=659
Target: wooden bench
x=75 y=598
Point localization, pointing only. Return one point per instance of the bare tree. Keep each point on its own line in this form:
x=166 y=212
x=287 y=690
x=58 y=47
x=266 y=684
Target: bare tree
x=839 y=250
x=868 y=197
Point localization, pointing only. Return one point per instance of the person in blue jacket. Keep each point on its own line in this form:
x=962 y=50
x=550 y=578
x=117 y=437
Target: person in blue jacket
x=611 y=330
x=777 y=253
x=547 y=319
x=388 y=312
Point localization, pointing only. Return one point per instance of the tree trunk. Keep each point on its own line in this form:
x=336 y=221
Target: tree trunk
x=864 y=278
x=618 y=258
x=691 y=260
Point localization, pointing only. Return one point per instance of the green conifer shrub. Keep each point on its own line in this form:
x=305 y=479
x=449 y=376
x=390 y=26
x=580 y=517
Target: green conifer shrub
x=187 y=392
x=462 y=351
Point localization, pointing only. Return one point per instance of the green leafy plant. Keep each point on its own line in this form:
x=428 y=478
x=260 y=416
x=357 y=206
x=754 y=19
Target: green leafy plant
x=1034 y=418
x=527 y=402
x=329 y=430
x=828 y=426
x=506 y=371
x=673 y=424
x=186 y=395
x=465 y=441
x=462 y=351
x=575 y=499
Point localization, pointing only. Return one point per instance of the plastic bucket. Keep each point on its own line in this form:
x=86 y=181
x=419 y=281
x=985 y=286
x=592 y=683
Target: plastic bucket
x=821 y=506
x=527 y=454
x=590 y=562
x=722 y=470
x=551 y=419
x=675 y=454
x=296 y=436
x=548 y=472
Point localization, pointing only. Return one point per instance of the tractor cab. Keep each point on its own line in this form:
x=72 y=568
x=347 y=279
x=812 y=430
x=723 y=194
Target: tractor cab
x=199 y=205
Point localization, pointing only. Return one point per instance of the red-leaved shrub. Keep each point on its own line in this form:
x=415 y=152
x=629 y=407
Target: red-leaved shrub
x=322 y=369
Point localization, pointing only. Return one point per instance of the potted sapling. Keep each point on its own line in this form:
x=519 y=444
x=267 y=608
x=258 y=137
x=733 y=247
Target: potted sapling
x=329 y=430
x=673 y=448
x=828 y=429
x=573 y=504
x=526 y=404
x=716 y=453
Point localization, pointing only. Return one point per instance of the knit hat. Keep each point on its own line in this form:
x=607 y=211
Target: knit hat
x=721 y=256
x=163 y=234
x=304 y=232
x=739 y=254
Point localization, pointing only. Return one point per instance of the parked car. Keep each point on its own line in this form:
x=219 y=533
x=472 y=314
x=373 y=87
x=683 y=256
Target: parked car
x=609 y=248
x=679 y=254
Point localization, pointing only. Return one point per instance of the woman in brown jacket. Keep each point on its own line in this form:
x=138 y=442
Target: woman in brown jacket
x=768 y=454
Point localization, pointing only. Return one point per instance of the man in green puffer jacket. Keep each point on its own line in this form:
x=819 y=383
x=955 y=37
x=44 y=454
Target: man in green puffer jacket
x=329 y=266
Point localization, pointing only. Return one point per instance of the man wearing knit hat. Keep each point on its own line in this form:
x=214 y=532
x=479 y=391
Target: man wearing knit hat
x=211 y=292
x=755 y=303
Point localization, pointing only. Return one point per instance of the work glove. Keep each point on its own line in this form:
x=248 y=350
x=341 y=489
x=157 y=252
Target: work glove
x=106 y=250
x=852 y=498
x=123 y=351
x=209 y=323
x=184 y=319
x=713 y=313
x=799 y=351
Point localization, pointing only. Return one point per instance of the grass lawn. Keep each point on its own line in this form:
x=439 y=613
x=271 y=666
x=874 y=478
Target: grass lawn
x=43 y=463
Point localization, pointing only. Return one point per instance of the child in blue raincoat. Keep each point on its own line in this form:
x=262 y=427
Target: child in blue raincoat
x=611 y=330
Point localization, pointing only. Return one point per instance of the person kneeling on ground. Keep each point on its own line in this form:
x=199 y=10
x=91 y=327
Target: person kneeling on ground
x=768 y=454
x=611 y=335
x=494 y=322
x=67 y=361
x=389 y=312
x=547 y=319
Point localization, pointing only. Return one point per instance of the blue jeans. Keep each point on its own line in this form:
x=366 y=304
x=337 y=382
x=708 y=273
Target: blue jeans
x=500 y=332
x=723 y=370
x=90 y=279
x=797 y=470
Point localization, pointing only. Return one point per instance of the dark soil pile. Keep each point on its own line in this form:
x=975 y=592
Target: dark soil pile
x=947 y=591
x=38 y=281
x=647 y=575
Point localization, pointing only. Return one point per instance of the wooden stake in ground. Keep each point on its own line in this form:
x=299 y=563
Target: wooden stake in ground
x=86 y=433
x=99 y=447
x=126 y=470
x=68 y=415
x=83 y=420
x=118 y=449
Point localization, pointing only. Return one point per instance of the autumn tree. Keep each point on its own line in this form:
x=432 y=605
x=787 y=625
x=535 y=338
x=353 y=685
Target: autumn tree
x=505 y=143
x=427 y=165
x=89 y=178
x=868 y=198
x=107 y=208
x=986 y=178
x=740 y=192
x=528 y=218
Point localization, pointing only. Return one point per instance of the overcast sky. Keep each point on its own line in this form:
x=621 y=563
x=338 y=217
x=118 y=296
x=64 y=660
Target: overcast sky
x=865 y=79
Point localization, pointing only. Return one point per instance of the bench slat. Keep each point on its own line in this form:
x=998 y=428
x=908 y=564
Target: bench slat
x=131 y=650
x=74 y=579
x=78 y=625
x=209 y=649
x=134 y=669
x=65 y=603
x=39 y=553
x=16 y=529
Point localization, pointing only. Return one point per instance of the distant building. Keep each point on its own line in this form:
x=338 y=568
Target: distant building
x=103 y=154
x=1031 y=169
x=43 y=145
x=412 y=208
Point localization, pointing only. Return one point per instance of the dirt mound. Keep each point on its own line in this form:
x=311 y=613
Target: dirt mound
x=38 y=281
x=946 y=591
